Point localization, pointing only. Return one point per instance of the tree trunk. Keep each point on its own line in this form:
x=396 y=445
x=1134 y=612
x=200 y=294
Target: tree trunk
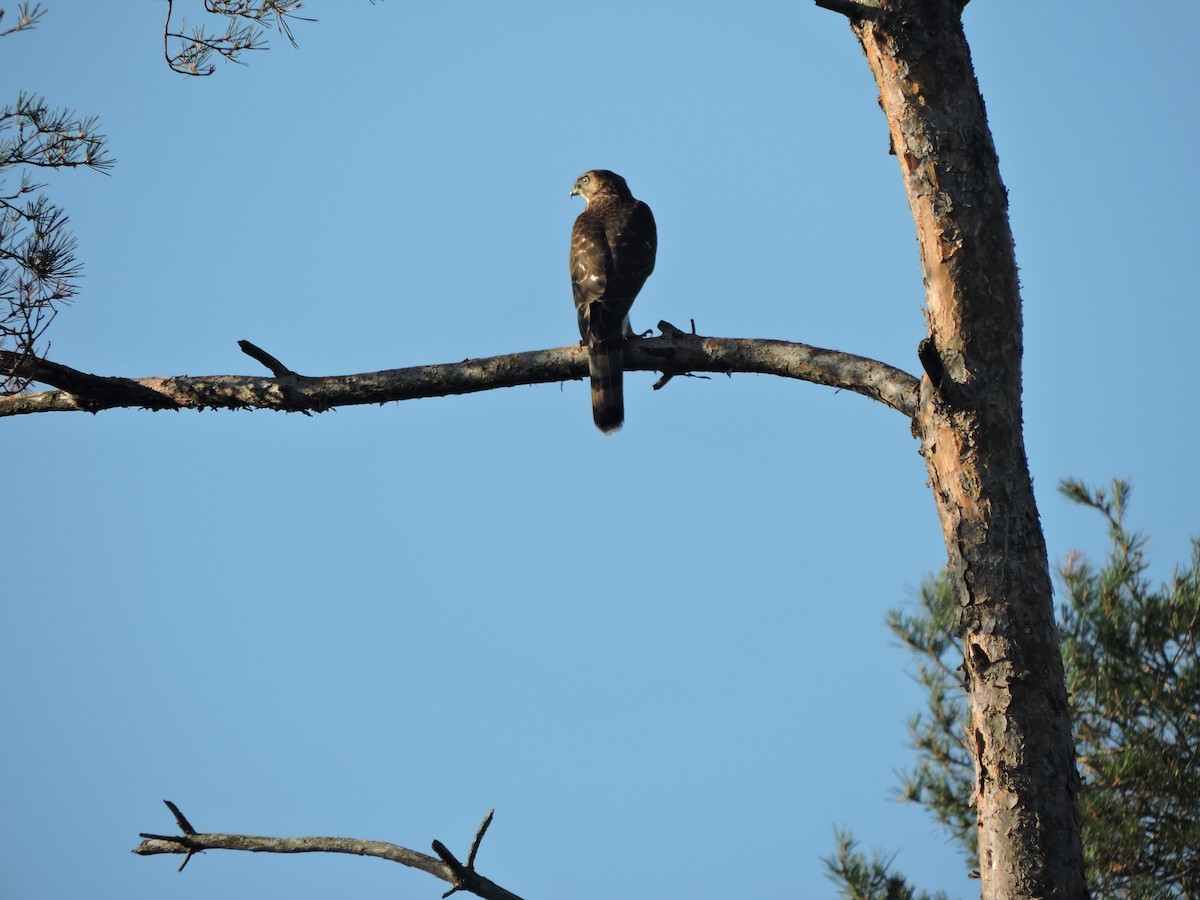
x=970 y=427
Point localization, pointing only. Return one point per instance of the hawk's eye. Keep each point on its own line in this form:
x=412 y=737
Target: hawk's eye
x=585 y=179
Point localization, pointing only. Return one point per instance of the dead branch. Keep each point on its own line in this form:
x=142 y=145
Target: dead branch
x=673 y=353
x=448 y=868
x=854 y=10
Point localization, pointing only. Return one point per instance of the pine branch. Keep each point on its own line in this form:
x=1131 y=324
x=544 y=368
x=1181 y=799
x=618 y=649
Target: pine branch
x=243 y=32
x=674 y=353
x=27 y=18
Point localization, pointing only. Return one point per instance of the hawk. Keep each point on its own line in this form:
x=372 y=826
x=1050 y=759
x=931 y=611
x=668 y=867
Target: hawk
x=612 y=254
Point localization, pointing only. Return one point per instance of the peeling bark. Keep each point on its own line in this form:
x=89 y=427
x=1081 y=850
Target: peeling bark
x=970 y=429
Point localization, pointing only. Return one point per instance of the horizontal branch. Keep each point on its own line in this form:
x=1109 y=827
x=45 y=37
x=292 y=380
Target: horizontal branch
x=673 y=353
x=448 y=868
x=157 y=844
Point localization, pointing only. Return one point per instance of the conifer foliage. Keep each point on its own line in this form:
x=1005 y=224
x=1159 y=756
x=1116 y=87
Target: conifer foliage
x=1133 y=673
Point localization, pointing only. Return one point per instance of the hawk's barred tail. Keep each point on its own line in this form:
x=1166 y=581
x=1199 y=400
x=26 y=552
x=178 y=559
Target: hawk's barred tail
x=605 y=366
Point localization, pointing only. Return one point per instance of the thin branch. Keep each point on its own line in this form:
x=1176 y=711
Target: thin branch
x=290 y=383
x=854 y=10
x=465 y=878
x=258 y=354
x=180 y=819
x=27 y=17
x=674 y=353
x=483 y=827
x=87 y=393
x=462 y=878
x=156 y=844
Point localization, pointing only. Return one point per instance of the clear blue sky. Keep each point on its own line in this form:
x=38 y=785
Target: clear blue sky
x=660 y=656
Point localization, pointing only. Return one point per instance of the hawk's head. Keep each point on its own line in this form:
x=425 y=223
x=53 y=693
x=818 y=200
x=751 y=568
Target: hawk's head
x=598 y=182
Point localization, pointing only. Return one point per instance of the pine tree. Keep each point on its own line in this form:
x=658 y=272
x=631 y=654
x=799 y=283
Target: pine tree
x=1133 y=673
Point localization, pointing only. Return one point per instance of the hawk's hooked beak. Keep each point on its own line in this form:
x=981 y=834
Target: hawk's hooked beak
x=574 y=191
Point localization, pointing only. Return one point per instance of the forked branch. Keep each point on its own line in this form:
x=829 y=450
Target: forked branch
x=448 y=868
x=673 y=353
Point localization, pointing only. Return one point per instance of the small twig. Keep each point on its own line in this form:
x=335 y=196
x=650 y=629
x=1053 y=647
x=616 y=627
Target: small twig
x=278 y=369
x=186 y=827
x=465 y=878
x=483 y=827
x=854 y=10
x=667 y=376
x=460 y=872
x=180 y=819
x=291 y=384
x=182 y=840
x=669 y=330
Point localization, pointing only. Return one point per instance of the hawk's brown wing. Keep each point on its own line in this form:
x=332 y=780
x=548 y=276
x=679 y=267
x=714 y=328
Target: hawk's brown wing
x=613 y=247
x=634 y=247
x=590 y=261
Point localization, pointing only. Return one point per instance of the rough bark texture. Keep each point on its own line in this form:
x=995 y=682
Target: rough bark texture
x=674 y=353
x=970 y=427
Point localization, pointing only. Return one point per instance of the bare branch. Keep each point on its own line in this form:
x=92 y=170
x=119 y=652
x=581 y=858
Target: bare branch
x=156 y=844
x=180 y=819
x=483 y=827
x=278 y=369
x=91 y=393
x=674 y=353
x=854 y=10
x=462 y=878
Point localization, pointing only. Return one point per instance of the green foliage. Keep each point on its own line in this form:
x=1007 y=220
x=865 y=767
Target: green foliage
x=860 y=877
x=1133 y=673
x=27 y=17
x=189 y=50
x=944 y=777
x=38 y=269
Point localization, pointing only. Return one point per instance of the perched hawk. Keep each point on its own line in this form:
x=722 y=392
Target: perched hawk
x=612 y=254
